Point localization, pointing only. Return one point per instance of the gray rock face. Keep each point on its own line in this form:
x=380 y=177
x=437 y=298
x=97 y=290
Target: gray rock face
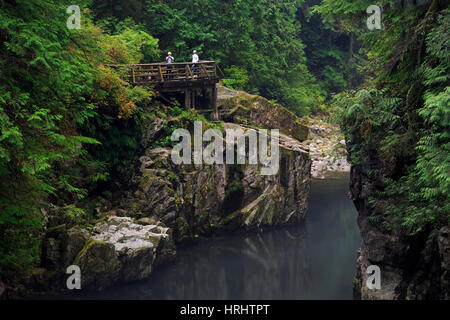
x=116 y=249
x=61 y=245
x=411 y=267
x=100 y=266
x=120 y=250
x=153 y=131
x=201 y=199
x=76 y=239
x=135 y=244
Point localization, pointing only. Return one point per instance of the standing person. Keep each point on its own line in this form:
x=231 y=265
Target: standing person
x=169 y=60
x=194 y=60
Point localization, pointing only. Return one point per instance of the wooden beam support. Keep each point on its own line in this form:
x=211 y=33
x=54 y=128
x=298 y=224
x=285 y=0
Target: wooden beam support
x=189 y=71
x=165 y=99
x=214 y=103
x=204 y=70
x=160 y=73
x=187 y=98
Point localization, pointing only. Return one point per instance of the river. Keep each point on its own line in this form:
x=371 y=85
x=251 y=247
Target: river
x=313 y=260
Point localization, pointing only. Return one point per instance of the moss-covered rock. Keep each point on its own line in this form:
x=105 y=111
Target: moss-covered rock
x=251 y=110
x=75 y=241
x=100 y=265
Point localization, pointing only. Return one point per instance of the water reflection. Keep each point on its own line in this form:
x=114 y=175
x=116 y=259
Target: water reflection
x=333 y=238
x=315 y=260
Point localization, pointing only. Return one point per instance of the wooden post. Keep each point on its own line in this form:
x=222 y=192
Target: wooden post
x=187 y=99
x=204 y=70
x=193 y=99
x=189 y=72
x=214 y=102
x=161 y=74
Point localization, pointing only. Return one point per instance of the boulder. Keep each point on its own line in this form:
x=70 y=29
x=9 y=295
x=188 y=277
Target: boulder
x=114 y=250
x=120 y=251
x=99 y=264
x=135 y=245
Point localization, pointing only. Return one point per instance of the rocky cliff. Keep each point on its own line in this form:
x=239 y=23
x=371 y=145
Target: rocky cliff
x=412 y=267
x=195 y=200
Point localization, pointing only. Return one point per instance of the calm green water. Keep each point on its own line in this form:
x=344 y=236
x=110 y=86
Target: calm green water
x=315 y=260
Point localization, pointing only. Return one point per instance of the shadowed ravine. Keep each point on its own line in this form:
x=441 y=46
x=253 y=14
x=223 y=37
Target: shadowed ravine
x=311 y=261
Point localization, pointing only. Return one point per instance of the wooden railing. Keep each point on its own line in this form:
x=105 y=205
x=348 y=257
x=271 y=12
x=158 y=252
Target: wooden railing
x=158 y=73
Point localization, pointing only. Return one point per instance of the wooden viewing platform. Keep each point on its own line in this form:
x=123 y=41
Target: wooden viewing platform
x=187 y=77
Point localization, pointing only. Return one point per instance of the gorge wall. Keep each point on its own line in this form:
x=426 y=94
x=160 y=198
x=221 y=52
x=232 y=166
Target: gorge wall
x=168 y=204
x=412 y=267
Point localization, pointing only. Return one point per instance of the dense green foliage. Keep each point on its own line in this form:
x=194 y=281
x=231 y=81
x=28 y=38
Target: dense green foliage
x=260 y=39
x=71 y=128
x=57 y=101
x=332 y=54
x=401 y=117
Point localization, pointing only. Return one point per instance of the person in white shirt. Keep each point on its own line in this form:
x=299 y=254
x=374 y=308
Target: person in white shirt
x=194 y=60
x=169 y=58
x=195 y=56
